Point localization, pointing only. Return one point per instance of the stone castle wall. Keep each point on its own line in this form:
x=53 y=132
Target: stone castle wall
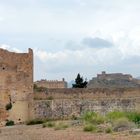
x=16 y=84
x=65 y=103
x=85 y=93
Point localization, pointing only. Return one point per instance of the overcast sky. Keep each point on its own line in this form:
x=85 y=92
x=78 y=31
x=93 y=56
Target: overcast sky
x=74 y=36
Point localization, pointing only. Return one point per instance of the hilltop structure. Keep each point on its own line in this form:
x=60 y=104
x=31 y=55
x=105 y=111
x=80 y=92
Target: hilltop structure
x=117 y=80
x=16 y=85
x=51 y=84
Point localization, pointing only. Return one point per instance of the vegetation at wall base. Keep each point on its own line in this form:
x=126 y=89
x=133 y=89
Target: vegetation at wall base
x=61 y=126
x=9 y=123
x=35 y=121
x=134 y=117
x=48 y=124
x=108 y=130
x=112 y=122
x=90 y=128
x=131 y=116
x=115 y=121
x=93 y=118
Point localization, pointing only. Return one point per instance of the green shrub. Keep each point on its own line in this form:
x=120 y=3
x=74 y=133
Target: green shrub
x=100 y=130
x=8 y=106
x=122 y=124
x=108 y=130
x=115 y=115
x=9 y=123
x=98 y=119
x=134 y=117
x=61 y=126
x=90 y=128
x=89 y=116
x=93 y=118
x=48 y=124
x=35 y=121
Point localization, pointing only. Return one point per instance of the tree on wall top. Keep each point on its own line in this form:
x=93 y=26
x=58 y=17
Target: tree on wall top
x=79 y=82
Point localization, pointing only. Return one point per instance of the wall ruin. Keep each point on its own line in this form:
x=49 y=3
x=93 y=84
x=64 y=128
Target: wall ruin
x=51 y=84
x=64 y=103
x=16 y=84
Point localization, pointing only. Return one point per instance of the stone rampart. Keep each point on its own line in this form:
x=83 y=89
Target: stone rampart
x=65 y=103
x=16 y=85
x=86 y=93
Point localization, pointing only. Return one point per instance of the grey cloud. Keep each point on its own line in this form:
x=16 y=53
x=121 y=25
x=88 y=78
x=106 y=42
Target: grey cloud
x=96 y=42
x=73 y=45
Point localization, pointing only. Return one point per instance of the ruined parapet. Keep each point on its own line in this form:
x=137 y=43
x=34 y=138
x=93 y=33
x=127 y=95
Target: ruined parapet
x=16 y=83
x=51 y=84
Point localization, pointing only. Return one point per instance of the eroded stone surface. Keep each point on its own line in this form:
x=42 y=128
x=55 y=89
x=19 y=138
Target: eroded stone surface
x=16 y=84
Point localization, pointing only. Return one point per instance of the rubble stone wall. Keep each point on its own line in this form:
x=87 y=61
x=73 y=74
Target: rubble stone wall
x=16 y=84
x=57 y=104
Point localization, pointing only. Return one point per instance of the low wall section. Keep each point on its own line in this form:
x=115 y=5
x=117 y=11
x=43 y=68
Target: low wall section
x=64 y=103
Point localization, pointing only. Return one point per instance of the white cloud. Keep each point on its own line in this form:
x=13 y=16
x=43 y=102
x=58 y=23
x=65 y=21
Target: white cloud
x=66 y=63
x=1 y=19
x=39 y=24
x=4 y=46
x=8 y=47
x=84 y=57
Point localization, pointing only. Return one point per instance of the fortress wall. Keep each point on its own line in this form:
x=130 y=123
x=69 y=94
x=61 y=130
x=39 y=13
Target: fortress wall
x=95 y=93
x=76 y=101
x=16 y=84
x=66 y=108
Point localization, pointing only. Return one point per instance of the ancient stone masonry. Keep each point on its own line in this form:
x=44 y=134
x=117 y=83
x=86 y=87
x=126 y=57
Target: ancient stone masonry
x=51 y=84
x=16 y=84
x=65 y=103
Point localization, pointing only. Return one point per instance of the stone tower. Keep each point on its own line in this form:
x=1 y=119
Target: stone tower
x=16 y=85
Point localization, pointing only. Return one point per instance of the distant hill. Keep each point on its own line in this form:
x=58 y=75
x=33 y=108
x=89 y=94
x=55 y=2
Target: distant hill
x=138 y=77
x=113 y=80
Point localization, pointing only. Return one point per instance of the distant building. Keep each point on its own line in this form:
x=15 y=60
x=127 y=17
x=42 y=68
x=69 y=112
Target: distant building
x=114 y=76
x=110 y=80
x=51 y=83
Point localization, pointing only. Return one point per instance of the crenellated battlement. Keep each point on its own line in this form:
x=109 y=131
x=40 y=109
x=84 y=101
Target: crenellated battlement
x=51 y=83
